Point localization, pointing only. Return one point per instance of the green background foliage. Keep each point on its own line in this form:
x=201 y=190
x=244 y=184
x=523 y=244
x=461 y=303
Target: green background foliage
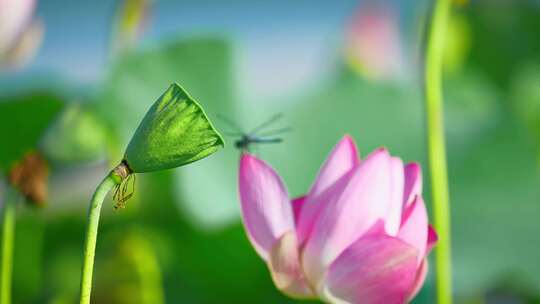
x=185 y=223
x=23 y=120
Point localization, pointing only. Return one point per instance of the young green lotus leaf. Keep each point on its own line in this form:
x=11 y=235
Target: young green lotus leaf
x=174 y=132
x=77 y=135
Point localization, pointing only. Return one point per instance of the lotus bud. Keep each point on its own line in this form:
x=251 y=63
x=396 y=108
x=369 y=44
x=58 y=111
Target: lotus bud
x=174 y=132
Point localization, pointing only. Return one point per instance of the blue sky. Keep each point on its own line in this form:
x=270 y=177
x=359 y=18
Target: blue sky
x=294 y=41
x=77 y=32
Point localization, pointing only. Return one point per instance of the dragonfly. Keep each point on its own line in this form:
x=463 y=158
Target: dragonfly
x=258 y=135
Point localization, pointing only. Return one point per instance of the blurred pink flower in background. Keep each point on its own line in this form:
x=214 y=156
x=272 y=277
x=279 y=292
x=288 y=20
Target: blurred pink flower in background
x=360 y=235
x=20 y=34
x=373 y=42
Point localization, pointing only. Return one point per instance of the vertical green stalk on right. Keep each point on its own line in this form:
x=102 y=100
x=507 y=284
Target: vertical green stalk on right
x=436 y=146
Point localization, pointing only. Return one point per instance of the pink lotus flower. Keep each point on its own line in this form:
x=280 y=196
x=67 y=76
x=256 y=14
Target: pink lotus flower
x=360 y=235
x=373 y=42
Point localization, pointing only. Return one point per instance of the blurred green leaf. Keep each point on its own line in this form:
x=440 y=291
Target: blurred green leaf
x=472 y=106
x=76 y=136
x=23 y=120
x=504 y=36
x=525 y=96
x=494 y=201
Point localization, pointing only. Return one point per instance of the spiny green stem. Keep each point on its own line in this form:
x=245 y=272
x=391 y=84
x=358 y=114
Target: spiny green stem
x=91 y=234
x=436 y=147
x=8 y=234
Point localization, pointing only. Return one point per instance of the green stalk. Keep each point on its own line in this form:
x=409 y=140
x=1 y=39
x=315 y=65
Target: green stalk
x=94 y=211
x=436 y=147
x=147 y=268
x=8 y=235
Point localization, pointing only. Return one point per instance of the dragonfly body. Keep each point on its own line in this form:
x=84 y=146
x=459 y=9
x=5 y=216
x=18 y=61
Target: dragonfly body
x=258 y=135
x=246 y=140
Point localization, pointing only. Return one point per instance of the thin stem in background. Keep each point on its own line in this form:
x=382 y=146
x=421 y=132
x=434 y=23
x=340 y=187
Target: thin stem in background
x=436 y=147
x=91 y=235
x=147 y=267
x=8 y=235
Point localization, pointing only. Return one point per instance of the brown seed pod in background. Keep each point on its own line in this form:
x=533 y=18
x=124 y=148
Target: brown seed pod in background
x=30 y=177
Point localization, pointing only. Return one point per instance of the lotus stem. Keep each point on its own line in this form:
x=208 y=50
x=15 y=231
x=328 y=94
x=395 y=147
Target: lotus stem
x=8 y=235
x=108 y=183
x=436 y=147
